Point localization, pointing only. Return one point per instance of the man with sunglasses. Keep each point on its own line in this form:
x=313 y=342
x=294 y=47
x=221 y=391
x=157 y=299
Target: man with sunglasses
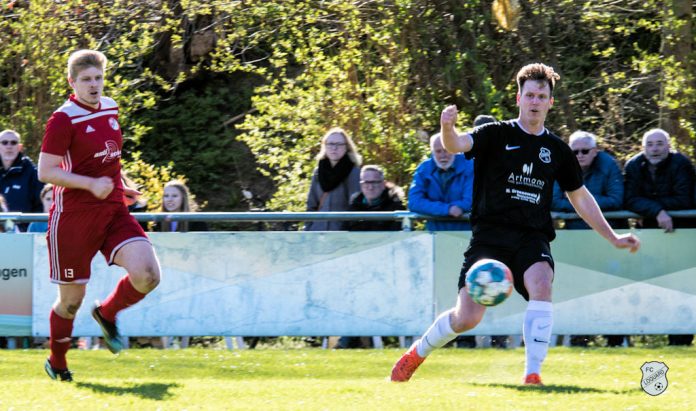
x=601 y=175
x=19 y=182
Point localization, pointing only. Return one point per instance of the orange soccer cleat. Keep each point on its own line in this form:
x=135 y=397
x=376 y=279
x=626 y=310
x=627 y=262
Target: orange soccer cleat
x=532 y=379
x=407 y=365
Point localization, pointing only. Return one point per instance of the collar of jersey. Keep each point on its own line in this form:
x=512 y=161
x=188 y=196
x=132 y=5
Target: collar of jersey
x=516 y=121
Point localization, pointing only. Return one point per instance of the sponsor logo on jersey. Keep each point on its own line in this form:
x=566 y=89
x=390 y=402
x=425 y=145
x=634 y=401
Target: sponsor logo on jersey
x=110 y=153
x=113 y=123
x=89 y=129
x=545 y=155
x=525 y=178
x=509 y=147
x=527 y=169
x=522 y=195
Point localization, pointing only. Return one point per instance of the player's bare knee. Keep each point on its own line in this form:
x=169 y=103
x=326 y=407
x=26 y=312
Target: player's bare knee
x=147 y=278
x=464 y=323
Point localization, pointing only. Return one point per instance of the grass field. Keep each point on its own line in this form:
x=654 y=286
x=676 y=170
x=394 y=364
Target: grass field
x=314 y=379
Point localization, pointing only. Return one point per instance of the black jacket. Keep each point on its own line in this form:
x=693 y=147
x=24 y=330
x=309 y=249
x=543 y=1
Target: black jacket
x=671 y=189
x=390 y=200
x=21 y=186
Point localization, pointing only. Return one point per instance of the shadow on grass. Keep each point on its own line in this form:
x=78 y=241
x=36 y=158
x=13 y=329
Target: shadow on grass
x=151 y=391
x=557 y=389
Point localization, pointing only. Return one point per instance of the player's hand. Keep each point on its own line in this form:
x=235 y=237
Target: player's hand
x=448 y=118
x=629 y=241
x=664 y=221
x=455 y=211
x=130 y=195
x=101 y=187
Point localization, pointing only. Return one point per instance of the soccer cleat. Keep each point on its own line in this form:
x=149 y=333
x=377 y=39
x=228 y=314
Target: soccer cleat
x=65 y=375
x=407 y=365
x=111 y=337
x=532 y=379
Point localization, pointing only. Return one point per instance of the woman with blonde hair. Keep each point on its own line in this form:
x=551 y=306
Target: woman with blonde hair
x=177 y=198
x=335 y=179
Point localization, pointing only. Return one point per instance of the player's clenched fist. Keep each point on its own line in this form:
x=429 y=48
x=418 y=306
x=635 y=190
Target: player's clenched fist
x=449 y=116
x=101 y=187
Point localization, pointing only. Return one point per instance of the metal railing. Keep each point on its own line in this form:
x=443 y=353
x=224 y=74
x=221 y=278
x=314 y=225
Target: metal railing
x=406 y=217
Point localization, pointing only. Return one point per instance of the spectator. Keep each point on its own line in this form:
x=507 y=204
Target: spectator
x=375 y=195
x=335 y=179
x=47 y=202
x=177 y=198
x=602 y=177
x=442 y=186
x=19 y=182
x=659 y=180
x=601 y=174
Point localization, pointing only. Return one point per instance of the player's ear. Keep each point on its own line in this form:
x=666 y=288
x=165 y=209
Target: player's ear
x=517 y=98
x=551 y=101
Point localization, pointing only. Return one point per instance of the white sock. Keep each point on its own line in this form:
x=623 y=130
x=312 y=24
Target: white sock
x=538 y=322
x=439 y=334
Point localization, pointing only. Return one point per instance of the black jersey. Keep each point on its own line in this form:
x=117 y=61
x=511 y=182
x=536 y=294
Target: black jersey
x=514 y=172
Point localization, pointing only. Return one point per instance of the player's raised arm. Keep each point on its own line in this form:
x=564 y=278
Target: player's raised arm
x=586 y=206
x=451 y=139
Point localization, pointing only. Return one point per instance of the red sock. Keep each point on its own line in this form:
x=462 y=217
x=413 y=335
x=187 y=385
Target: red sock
x=61 y=331
x=122 y=297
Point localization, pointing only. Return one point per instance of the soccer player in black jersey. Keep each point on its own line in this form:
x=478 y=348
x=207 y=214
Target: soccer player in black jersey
x=516 y=164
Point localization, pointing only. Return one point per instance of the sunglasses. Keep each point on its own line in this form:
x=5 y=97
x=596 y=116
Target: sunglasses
x=9 y=142
x=371 y=182
x=584 y=151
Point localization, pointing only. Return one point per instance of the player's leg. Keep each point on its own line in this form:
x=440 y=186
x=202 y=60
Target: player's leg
x=538 y=320
x=143 y=275
x=71 y=241
x=61 y=325
x=126 y=245
x=464 y=316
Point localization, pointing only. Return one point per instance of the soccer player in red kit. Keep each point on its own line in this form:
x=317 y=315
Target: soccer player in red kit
x=80 y=156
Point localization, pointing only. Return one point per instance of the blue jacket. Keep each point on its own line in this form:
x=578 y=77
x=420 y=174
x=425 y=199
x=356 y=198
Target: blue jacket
x=21 y=186
x=426 y=197
x=604 y=180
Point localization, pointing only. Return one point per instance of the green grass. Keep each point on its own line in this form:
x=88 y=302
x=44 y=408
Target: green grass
x=314 y=379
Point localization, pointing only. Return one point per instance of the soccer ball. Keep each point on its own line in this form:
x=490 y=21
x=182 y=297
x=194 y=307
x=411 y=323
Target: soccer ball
x=489 y=282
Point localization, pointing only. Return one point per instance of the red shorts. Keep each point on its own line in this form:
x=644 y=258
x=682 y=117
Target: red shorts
x=75 y=237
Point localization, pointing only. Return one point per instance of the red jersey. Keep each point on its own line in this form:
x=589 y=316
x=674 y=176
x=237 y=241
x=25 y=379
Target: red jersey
x=90 y=142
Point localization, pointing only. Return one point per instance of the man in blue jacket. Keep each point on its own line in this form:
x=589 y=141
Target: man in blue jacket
x=602 y=177
x=19 y=182
x=442 y=186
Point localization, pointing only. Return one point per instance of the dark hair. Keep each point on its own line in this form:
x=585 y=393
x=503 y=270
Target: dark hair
x=482 y=119
x=537 y=72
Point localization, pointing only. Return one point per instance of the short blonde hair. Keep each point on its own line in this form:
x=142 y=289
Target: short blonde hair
x=83 y=59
